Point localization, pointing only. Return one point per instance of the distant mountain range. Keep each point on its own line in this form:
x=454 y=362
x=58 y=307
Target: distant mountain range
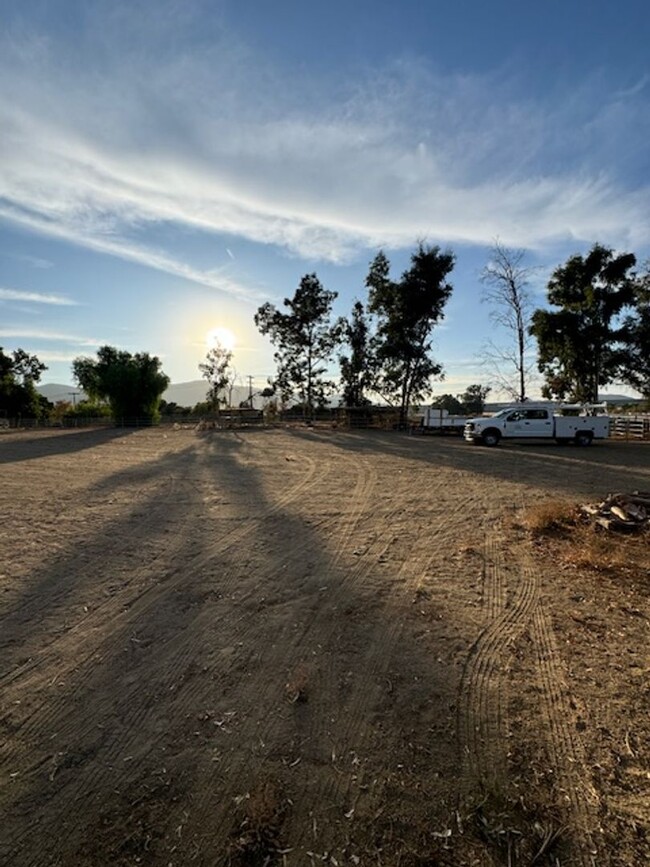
x=182 y=393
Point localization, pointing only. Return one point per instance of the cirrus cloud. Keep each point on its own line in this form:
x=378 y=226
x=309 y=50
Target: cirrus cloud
x=211 y=142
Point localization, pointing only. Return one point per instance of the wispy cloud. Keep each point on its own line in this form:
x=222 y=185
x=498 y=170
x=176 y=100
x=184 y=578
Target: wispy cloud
x=209 y=140
x=35 y=297
x=635 y=89
x=34 y=261
x=77 y=231
x=54 y=355
x=27 y=333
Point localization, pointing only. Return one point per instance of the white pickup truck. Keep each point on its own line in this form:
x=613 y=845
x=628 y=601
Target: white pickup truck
x=565 y=423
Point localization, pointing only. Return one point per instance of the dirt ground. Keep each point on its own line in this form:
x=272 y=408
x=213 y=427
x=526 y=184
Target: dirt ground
x=308 y=647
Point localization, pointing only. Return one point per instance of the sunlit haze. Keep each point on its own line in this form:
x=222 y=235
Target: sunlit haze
x=220 y=337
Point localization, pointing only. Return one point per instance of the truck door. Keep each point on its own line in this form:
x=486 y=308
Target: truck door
x=536 y=423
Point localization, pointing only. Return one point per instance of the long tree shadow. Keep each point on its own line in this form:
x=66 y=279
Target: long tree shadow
x=31 y=446
x=182 y=704
x=609 y=465
x=55 y=589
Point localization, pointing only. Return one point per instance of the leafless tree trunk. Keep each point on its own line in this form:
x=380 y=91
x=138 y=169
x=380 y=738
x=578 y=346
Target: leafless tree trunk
x=505 y=279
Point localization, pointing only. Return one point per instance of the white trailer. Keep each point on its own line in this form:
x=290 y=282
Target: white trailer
x=565 y=423
x=433 y=419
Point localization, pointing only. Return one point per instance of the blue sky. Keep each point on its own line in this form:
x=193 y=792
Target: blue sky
x=167 y=167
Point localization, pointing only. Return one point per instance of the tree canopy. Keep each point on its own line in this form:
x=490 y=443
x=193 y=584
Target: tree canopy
x=131 y=384
x=358 y=365
x=19 y=372
x=470 y=402
x=217 y=371
x=634 y=366
x=305 y=338
x=407 y=311
x=579 y=342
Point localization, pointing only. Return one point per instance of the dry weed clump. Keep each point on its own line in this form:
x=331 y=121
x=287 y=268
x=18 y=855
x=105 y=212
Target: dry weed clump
x=593 y=549
x=296 y=688
x=581 y=544
x=255 y=839
x=549 y=516
x=519 y=833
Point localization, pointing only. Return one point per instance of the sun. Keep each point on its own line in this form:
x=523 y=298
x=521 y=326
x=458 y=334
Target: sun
x=220 y=337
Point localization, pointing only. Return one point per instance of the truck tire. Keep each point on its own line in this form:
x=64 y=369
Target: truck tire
x=583 y=438
x=491 y=437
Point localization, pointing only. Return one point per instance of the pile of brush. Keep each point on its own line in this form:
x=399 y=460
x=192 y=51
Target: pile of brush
x=627 y=513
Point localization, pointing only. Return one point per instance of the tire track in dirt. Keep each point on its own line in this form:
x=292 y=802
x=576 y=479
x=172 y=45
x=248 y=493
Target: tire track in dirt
x=286 y=639
x=481 y=723
x=480 y=714
x=352 y=717
x=50 y=595
x=178 y=654
x=111 y=639
x=566 y=748
x=129 y=593
x=143 y=599
x=177 y=657
x=494 y=580
x=137 y=603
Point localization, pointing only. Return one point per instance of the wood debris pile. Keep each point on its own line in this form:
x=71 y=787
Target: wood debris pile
x=627 y=513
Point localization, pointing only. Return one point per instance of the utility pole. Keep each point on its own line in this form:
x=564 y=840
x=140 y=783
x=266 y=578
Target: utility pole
x=250 y=391
x=73 y=395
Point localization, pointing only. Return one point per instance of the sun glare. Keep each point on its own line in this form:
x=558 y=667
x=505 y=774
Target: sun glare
x=220 y=337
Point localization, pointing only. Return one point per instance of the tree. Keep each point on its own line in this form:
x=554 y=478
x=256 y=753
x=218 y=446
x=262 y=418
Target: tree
x=357 y=368
x=131 y=384
x=19 y=373
x=635 y=354
x=27 y=367
x=471 y=402
x=473 y=399
x=304 y=338
x=64 y=411
x=449 y=402
x=407 y=311
x=216 y=370
x=579 y=344
x=505 y=279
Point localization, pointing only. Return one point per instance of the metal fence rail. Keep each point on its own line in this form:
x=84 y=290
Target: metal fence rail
x=630 y=427
x=624 y=427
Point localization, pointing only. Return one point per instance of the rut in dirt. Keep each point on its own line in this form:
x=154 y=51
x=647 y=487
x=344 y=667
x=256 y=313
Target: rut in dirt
x=512 y=605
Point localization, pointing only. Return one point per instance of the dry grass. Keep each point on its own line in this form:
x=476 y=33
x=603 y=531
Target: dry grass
x=549 y=516
x=594 y=548
x=584 y=545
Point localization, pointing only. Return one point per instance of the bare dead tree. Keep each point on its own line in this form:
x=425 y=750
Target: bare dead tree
x=506 y=279
x=233 y=380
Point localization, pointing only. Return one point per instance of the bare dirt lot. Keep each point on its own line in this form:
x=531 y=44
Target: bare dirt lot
x=311 y=647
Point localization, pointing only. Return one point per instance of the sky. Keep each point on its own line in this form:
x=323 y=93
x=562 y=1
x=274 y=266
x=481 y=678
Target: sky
x=167 y=167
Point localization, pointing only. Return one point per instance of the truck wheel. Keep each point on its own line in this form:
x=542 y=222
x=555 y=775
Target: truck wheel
x=583 y=438
x=491 y=437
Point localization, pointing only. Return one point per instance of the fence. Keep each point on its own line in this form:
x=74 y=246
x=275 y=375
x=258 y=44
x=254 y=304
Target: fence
x=625 y=427
x=630 y=427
